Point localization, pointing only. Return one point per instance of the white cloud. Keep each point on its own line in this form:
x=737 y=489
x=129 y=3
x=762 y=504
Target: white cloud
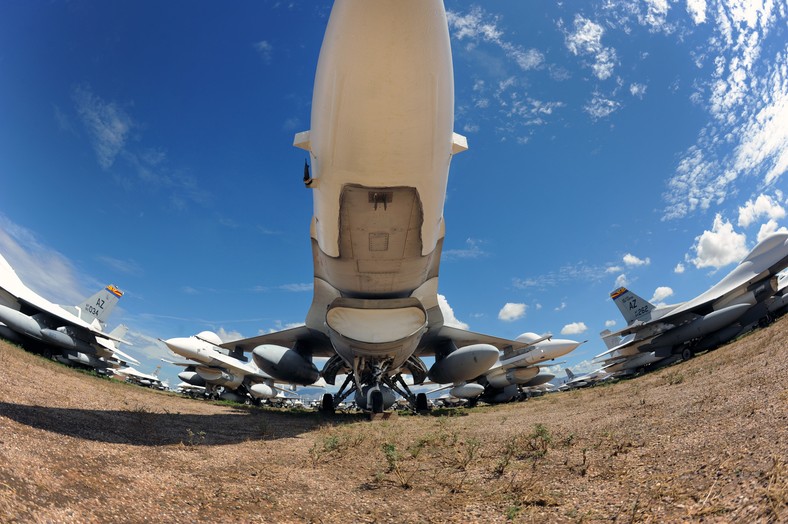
x=679 y=269
x=473 y=249
x=265 y=49
x=448 y=314
x=228 y=336
x=297 y=287
x=575 y=328
x=610 y=323
x=512 y=311
x=586 y=39
x=561 y=307
x=107 y=124
x=600 y=107
x=42 y=269
x=621 y=280
x=769 y=228
x=720 y=246
x=633 y=261
x=479 y=26
x=697 y=10
x=637 y=90
x=763 y=206
x=746 y=96
x=660 y=294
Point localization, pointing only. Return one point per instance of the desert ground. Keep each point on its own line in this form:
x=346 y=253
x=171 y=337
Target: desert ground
x=701 y=441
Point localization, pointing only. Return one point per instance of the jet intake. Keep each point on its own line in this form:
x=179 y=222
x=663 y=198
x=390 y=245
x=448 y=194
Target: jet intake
x=376 y=328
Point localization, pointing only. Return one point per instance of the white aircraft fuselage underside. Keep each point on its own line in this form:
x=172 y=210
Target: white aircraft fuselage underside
x=380 y=146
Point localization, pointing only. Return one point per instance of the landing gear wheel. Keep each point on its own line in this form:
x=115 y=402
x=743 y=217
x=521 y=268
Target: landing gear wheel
x=327 y=405
x=376 y=401
x=687 y=354
x=421 y=403
x=472 y=402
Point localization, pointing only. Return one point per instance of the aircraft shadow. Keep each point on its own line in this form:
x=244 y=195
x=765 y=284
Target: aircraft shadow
x=140 y=427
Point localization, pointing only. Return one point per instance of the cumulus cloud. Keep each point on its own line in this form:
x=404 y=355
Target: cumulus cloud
x=448 y=314
x=762 y=206
x=637 y=90
x=621 y=281
x=769 y=228
x=720 y=246
x=679 y=269
x=660 y=294
x=586 y=40
x=575 y=328
x=633 y=261
x=697 y=10
x=512 y=311
x=610 y=323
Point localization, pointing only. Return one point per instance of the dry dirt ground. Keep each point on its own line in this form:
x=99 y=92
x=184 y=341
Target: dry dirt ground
x=704 y=440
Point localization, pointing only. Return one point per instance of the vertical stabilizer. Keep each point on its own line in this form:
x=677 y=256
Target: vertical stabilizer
x=632 y=307
x=99 y=306
x=569 y=374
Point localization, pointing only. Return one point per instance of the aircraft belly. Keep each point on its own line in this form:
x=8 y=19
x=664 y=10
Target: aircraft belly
x=382 y=109
x=380 y=244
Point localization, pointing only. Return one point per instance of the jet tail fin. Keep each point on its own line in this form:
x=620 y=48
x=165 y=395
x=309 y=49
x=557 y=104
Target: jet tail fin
x=98 y=306
x=569 y=374
x=632 y=307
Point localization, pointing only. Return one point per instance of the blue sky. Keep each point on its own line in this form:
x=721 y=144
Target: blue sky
x=148 y=144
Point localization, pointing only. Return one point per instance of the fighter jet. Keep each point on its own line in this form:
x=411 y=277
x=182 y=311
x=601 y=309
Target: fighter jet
x=514 y=371
x=587 y=379
x=211 y=368
x=105 y=359
x=379 y=148
x=75 y=332
x=134 y=376
x=654 y=334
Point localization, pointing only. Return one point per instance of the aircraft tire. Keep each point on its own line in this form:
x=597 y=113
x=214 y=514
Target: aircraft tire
x=687 y=354
x=421 y=403
x=327 y=405
x=376 y=401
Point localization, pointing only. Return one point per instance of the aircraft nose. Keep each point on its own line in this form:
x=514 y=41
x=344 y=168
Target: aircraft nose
x=184 y=346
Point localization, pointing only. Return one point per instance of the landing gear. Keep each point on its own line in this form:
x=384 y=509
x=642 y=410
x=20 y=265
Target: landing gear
x=327 y=404
x=421 y=403
x=687 y=354
x=376 y=401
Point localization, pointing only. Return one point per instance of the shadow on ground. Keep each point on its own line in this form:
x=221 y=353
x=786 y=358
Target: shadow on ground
x=141 y=427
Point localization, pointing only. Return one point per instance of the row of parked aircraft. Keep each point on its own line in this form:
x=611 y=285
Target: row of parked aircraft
x=379 y=147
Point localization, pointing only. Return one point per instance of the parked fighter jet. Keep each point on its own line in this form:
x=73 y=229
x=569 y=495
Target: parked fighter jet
x=654 y=334
x=210 y=368
x=107 y=358
x=73 y=331
x=134 y=376
x=380 y=145
x=587 y=379
x=514 y=370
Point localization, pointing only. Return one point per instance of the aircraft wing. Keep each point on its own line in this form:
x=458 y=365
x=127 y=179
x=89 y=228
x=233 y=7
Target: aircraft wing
x=309 y=339
x=68 y=319
x=463 y=338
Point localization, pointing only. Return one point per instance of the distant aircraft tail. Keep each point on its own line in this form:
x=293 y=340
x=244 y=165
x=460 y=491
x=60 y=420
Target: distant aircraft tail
x=99 y=306
x=632 y=307
x=610 y=339
x=569 y=374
